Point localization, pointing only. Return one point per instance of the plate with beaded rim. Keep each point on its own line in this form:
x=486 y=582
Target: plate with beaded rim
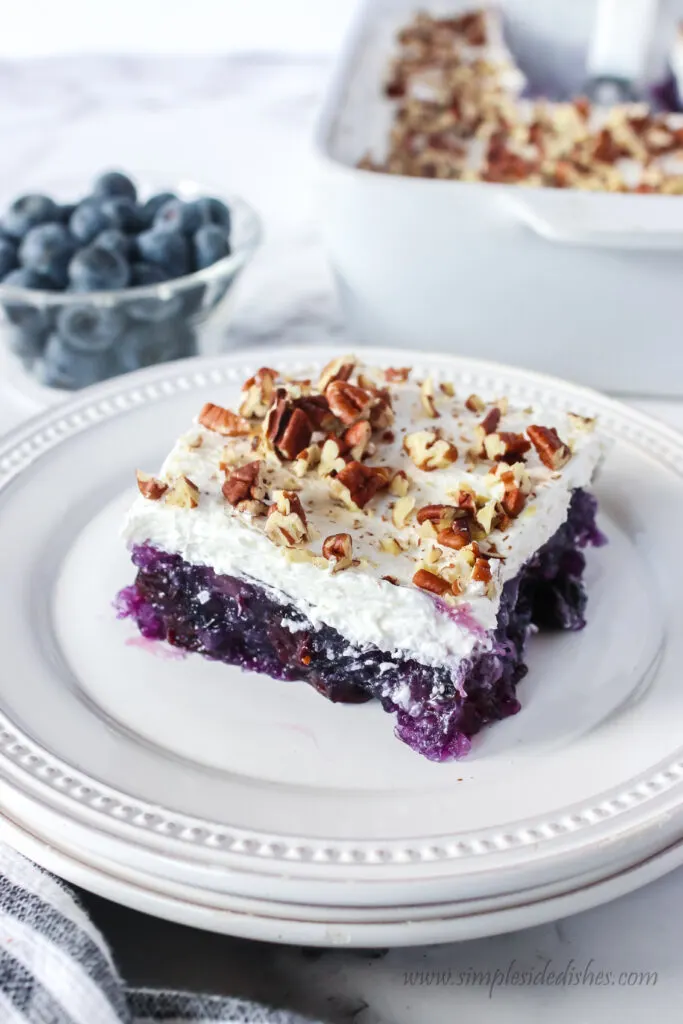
x=192 y=770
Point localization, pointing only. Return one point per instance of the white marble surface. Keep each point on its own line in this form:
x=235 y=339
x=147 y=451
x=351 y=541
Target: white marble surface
x=242 y=124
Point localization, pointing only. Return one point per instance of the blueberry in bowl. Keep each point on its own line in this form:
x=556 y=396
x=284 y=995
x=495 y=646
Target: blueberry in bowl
x=103 y=280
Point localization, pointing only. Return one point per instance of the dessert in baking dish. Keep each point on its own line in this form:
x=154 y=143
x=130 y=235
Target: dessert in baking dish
x=374 y=533
x=460 y=114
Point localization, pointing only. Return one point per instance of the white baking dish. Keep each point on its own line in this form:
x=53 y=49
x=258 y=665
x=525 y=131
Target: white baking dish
x=588 y=286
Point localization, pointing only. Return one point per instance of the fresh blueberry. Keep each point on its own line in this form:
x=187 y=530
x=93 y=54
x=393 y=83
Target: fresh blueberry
x=62 y=367
x=8 y=256
x=150 y=209
x=166 y=249
x=31 y=318
x=65 y=212
x=117 y=241
x=114 y=183
x=121 y=213
x=175 y=215
x=210 y=245
x=213 y=211
x=142 y=274
x=90 y=328
x=26 y=344
x=141 y=345
x=27 y=212
x=88 y=220
x=96 y=269
x=47 y=249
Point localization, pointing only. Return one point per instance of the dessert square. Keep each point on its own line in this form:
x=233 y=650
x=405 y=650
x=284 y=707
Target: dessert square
x=377 y=535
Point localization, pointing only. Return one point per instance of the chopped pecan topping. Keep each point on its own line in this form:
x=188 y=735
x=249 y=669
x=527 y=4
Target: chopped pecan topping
x=357 y=438
x=491 y=420
x=392 y=579
x=426 y=580
x=488 y=516
x=447 y=389
x=357 y=483
x=397 y=374
x=286 y=523
x=481 y=571
x=287 y=428
x=244 y=483
x=400 y=484
x=402 y=511
x=223 y=421
x=552 y=452
x=513 y=501
x=506 y=446
x=427 y=399
x=464 y=499
x=441 y=514
x=429 y=451
x=338 y=549
x=150 y=487
x=259 y=393
x=381 y=413
x=390 y=546
x=252 y=507
x=317 y=409
x=583 y=423
x=331 y=461
x=348 y=402
x=338 y=369
x=475 y=404
x=183 y=493
x=456 y=536
x=307 y=459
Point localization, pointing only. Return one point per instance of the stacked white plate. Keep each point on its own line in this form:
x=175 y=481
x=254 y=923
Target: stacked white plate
x=251 y=806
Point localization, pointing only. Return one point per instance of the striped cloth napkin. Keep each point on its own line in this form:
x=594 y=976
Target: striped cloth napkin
x=56 y=968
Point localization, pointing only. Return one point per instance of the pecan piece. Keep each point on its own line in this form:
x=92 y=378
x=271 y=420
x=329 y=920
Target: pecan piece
x=223 y=421
x=427 y=399
x=317 y=409
x=397 y=374
x=286 y=523
x=552 y=451
x=581 y=423
x=400 y=484
x=356 y=484
x=307 y=459
x=475 y=404
x=288 y=429
x=506 y=446
x=402 y=511
x=429 y=451
x=348 y=402
x=150 y=487
x=481 y=571
x=252 y=508
x=331 y=461
x=338 y=549
x=356 y=438
x=381 y=413
x=426 y=580
x=338 y=369
x=183 y=493
x=259 y=393
x=244 y=483
x=490 y=420
x=456 y=536
x=441 y=514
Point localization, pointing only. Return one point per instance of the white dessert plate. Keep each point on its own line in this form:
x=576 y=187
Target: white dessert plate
x=213 y=912
x=196 y=772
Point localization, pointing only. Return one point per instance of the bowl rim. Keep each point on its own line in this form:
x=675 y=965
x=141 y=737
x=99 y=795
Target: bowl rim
x=238 y=257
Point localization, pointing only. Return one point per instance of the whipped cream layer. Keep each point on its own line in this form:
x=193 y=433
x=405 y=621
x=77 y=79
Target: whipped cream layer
x=359 y=602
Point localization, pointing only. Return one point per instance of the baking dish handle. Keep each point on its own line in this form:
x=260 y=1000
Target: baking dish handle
x=599 y=219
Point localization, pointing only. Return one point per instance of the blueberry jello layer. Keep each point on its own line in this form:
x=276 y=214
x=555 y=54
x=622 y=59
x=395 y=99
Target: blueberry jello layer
x=375 y=533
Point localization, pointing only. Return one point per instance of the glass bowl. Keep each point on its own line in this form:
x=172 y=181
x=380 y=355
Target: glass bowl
x=144 y=325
